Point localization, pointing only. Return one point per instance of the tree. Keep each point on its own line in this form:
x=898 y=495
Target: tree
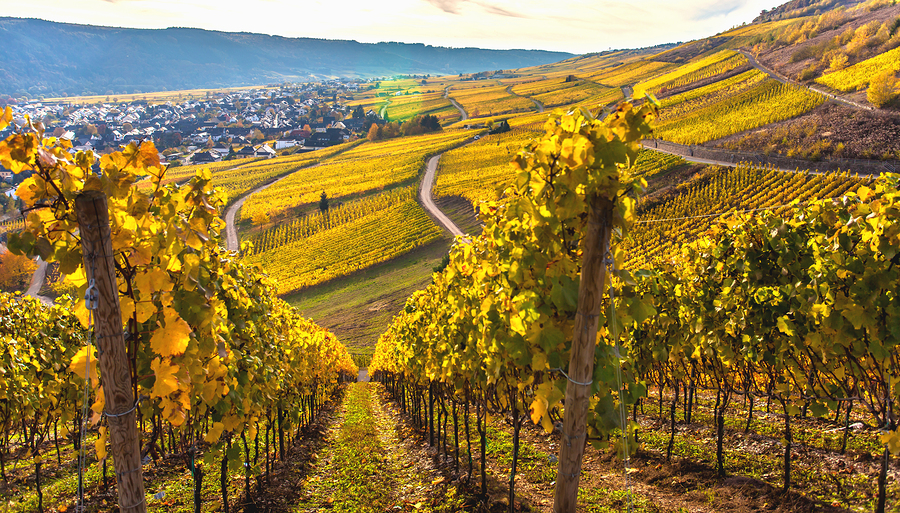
x=374 y=134
x=323 y=202
x=257 y=136
x=359 y=112
x=15 y=272
x=882 y=89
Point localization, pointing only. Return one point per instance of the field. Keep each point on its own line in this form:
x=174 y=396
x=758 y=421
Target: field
x=859 y=75
x=489 y=100
x=744 y=102
x=406 y=107
x=369 y=167
x=153 y=97
x=301 y=259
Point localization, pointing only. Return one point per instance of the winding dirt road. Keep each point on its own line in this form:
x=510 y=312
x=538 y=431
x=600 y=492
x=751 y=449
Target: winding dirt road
x=539 y=105
x=462 y=111
x=724 y=163
x=427 y=199
x=785 y=80
x=231 y=237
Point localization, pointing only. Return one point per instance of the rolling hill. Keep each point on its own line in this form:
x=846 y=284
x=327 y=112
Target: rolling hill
x=47 y=58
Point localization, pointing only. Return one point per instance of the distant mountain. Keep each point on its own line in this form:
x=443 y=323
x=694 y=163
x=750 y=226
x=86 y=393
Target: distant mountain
x=47 y=58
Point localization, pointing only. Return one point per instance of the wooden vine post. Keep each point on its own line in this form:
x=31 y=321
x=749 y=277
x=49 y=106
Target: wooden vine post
x=581 y=361
x=93 y=222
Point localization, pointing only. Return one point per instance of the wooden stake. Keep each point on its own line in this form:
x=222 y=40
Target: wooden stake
x=96 y=245
x=581 y=361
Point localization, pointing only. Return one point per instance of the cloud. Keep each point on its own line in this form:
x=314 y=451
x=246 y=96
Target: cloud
x=448 y=6
x=715 y=9
x=453 y=7
x=493 y=9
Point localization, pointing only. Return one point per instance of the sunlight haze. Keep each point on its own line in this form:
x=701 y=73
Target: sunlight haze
x=576 y=26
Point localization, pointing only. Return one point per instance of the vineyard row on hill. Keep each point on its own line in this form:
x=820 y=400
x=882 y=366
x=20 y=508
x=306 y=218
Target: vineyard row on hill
x=367 y=236
x=212 y=352
x=797 y=307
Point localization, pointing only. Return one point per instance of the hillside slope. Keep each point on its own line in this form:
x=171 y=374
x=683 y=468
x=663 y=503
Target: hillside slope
x=46 y=58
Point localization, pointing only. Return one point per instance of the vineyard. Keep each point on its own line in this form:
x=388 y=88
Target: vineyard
x=355 y=236
x=722 y=190
x=716 y=64
x=490 y=101
x=631 y=73
x=475 y=170
x=859 y=75
x=629 y=331
x=409 y=106
x=369 y=167
x=199 y=325
x=744 y=102
x=790 y=310
x=237 y=177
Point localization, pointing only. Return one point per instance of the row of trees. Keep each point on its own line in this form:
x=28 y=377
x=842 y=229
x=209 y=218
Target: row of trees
x=415 y=126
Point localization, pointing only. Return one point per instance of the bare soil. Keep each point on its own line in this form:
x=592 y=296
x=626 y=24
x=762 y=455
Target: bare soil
x=831 y=130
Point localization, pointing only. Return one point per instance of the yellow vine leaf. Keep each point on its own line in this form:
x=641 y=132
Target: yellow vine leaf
x=166 y=380
x=171 y=339
x=80 y=362
x=6 y=118
x=215 y=432
x=98 y=406
x=100 y=444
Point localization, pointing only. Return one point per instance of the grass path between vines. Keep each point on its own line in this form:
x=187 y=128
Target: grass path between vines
x=365 y=464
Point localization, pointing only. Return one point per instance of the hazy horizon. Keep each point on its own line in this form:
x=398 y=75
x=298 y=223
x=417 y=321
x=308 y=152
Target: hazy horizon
x=575 y=26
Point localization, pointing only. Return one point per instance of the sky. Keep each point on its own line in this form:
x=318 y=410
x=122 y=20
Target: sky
x=576 y=26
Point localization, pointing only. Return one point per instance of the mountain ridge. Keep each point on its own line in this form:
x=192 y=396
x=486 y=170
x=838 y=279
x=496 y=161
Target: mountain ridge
x=50 y=58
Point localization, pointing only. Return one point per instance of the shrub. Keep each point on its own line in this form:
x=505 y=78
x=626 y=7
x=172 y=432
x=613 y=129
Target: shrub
x=882 y=89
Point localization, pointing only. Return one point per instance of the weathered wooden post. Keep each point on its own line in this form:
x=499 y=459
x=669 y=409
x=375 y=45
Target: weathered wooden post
x=581 y=360
x=96 y=245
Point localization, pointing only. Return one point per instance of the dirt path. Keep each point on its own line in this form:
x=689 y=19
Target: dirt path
x=37 y=281
x=367 y=463
x=231 y=237
x=725 y=163
x=785 y=80
x=427 y=199
x=462 y=111
x=539 y=105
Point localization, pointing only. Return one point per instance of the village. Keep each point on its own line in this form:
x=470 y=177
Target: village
x=255 y=122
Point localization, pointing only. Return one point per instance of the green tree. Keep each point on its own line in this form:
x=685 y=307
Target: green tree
x=323 y=202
